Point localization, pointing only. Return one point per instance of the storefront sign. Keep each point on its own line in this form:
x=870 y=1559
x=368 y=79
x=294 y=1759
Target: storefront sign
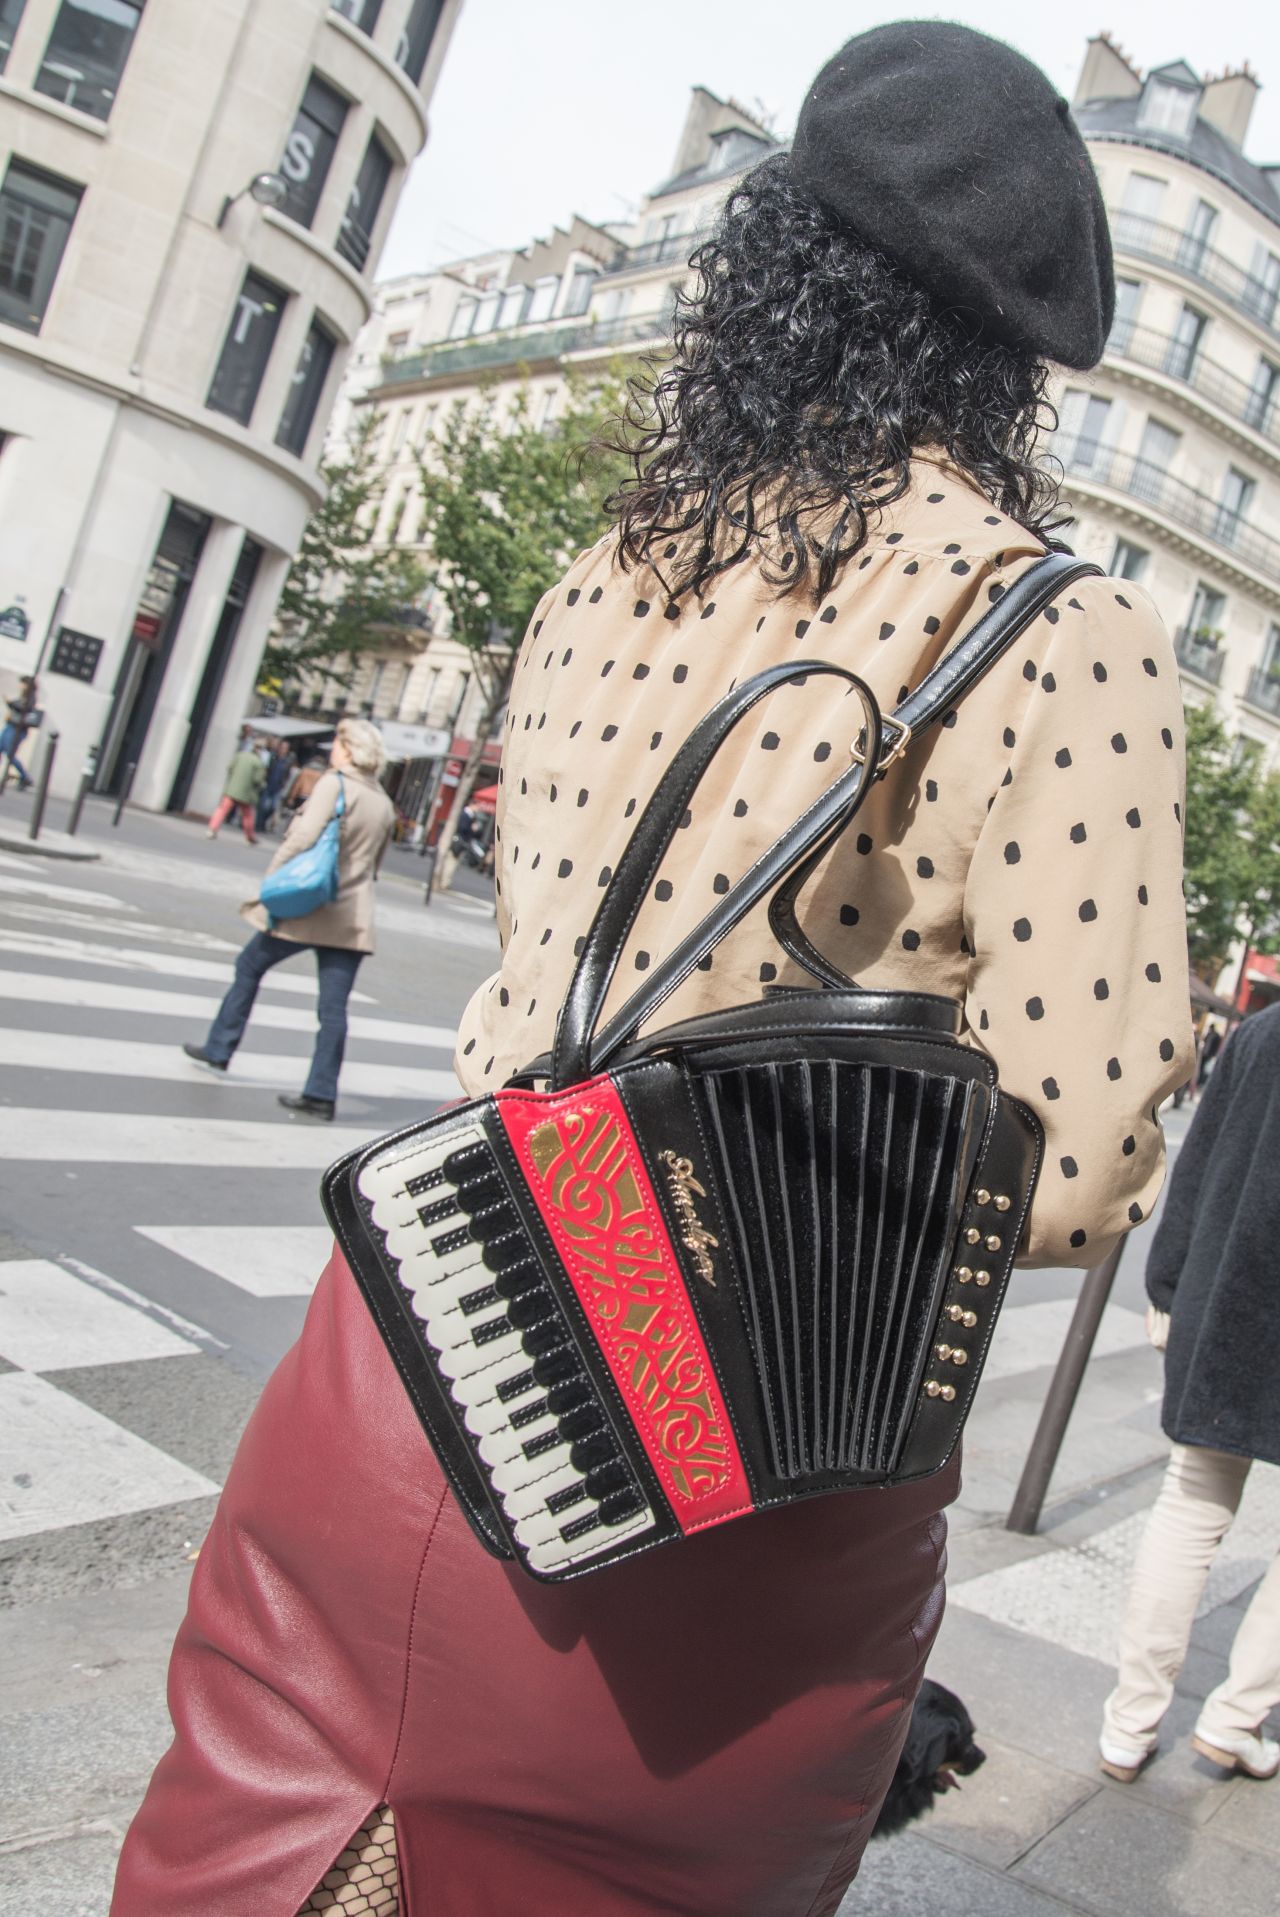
x=414 y=742
x=75 y=655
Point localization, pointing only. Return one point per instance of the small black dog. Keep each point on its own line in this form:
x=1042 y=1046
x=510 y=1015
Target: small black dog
x=939 y=1751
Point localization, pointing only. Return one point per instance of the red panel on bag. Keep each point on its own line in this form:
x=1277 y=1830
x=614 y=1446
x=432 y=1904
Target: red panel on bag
x=588 y=1177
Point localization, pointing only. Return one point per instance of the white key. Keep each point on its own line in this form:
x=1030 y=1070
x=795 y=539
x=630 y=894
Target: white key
x=463 y=1362
x=523 y=1504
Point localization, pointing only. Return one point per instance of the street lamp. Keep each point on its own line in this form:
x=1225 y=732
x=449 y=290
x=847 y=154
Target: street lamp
x=268 y=189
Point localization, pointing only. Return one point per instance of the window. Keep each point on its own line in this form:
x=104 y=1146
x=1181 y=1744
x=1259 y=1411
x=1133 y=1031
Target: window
x=1263 y=393
x=1170 y=109
x=615 y=304
x=1237 y=497
x=355 y=235
x=511 y=311
x=310 y=148
x=299 y=412
x=396 y=343
x=550 y=406
x=1128 y=561
x=1128 y=296
x=10 y=15
x=247 y=348
x=580 y=288
x=1247 y=753
x=1143 y=196
x=1156 y=454
x=401 y=429
x=486 y=315
x=1082 y=427
x=1263 y=284
x=36 y=212
x=419 y=31
x=427 y=430
x=1271 y=656
x=361 y=13
x=1195 y=241
x=463 y=314
x=542 y=299
x=86 y=53
x=1185 y=344
x=1208 y=614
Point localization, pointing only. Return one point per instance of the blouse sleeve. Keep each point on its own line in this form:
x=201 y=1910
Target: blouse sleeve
x=1077 y=979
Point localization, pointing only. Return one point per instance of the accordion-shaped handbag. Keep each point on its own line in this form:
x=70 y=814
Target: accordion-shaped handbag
x=654 y=1284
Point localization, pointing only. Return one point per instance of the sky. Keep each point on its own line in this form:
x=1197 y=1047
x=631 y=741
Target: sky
x=550 y=107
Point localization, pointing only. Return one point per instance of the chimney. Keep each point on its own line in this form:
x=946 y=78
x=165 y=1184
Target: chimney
x=1228 y=101
x=1107 y=73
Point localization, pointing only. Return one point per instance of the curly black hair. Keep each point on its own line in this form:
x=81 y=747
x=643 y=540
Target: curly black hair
x=806 y=370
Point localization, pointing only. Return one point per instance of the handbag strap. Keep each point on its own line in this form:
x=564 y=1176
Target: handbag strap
x=578 y=1050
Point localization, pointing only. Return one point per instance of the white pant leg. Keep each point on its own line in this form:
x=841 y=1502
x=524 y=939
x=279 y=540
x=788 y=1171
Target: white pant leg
x=1251 y=1687
x=1190 y=1518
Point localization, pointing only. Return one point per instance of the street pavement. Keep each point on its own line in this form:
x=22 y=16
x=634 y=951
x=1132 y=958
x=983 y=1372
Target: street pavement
x=159 y=1235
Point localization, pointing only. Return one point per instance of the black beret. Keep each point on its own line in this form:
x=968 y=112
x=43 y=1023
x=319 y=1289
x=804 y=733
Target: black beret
x=953 y=155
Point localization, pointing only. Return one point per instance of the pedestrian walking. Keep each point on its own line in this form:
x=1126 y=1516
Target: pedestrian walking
x=22 y=715
x=839 y=464
x=246 y=777
x=1211 y=1279
x=340 y=934
x=280 y=766
x=304 y=782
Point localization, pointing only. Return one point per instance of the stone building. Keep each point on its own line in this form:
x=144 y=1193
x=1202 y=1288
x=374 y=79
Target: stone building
x=192 y=204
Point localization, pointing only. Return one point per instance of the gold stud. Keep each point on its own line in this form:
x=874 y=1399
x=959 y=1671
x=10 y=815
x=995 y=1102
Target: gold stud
x=1002 y=1201
x=972 y=1235
x=964 y=1273
x=969 y=1319
x=982 y=1196
x=993 y=1243
x=933 y=1389
x=943 y=1351
x=959 y=1357
x=948 y=1392
x=956 y=1313
x=982 y=1277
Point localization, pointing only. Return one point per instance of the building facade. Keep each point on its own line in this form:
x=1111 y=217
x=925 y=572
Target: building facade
x=192 y=203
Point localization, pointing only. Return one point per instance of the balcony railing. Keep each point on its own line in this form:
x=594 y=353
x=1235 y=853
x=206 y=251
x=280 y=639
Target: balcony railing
x=1162 y=353
x=1264 y=689
x=1183 y=504
x=1150 y=240
x=1204 y=657
x=513 y=346
x=676 y=246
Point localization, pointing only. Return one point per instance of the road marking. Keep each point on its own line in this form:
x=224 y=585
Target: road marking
x=51 y=1321
x=35 y=1136
x=1028 y=1336
x=48 y=891
x=45 y=915
x=167 y=964
x=107 y=995
x=149 y=1307
x=268 y=1261
x=62 y=1463
x=250 y=1070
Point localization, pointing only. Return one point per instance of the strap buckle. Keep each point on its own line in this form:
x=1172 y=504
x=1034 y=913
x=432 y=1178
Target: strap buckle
x=896 y=749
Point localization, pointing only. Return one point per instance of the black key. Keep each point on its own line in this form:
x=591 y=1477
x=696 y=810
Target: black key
x=619 y=1505
x=434 y=1213
x=538 y=1447
x=505 y=1249
x=467 y=1161
x=424 y=1182
x=486 y=1196
x=546 y=1339
x=493 y=1328
x=608 y=1478
x=478 y=1300
x=567 y=1397
x=514 y=1282
x=555 y=1367
x=590 y=1452
x=584 y=1422
x=529 y=1414
x=580 y=1527
x=450 y=1241
x=535 y=1308
x=516 y=1387
x=565 y=1500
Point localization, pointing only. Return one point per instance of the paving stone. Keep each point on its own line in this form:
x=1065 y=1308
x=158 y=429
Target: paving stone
x=91 y=1760
x=1178 y=1779
x=194 y=1408
x=1027 y=1694
x=71 y=1876
x=1003 y=1809
x=906 y=1876
x=1249 y=1813
x=1117 y=1855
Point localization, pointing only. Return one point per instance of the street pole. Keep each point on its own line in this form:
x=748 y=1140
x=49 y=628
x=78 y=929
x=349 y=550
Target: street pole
x=88 y=770
x=1024 y=1513
x=55 y=621
x=42 y=788
x=125 y=789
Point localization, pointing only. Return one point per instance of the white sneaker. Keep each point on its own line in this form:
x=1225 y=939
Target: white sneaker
x=1121 y=1762
x=1246 y=1751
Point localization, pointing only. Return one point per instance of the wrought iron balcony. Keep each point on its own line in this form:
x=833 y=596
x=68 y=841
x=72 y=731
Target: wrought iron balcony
x=1163 y=353
x=1150 y=240
x=675 y=247
x=516 y=345
x=1264 y=689
x=1200 y=655
x=1198 y=512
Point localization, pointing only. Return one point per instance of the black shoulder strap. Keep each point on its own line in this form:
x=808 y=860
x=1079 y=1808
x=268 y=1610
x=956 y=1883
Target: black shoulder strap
x=578 y=1051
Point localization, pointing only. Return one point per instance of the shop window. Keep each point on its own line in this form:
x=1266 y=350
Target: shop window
x=314 y=362
x=86 y=54
x=309 y=149
x=246 y=350
x=355 y=235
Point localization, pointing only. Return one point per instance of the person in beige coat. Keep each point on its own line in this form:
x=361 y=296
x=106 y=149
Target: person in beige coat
x=340 y=934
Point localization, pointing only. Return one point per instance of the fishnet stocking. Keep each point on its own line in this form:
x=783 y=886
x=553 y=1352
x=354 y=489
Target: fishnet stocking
x=364 y=1880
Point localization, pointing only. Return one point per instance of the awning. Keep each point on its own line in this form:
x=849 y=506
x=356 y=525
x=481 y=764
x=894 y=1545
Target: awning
x=486 y=799
x=289 y=728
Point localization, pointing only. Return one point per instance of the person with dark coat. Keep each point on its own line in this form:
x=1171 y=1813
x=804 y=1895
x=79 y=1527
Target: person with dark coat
x=280 y=769
x=1211 y=1278
x=21 y=715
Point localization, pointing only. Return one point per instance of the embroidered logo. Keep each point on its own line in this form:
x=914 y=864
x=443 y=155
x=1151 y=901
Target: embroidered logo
x=693 y=1233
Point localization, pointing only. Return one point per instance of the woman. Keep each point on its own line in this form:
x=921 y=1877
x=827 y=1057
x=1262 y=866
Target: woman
x=241 y=789
x=1211 y=1280
x=841 y=465
x=340 y=934
x=21 y=714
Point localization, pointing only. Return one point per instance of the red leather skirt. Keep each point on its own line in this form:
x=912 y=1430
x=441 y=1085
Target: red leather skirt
x=707 y=1730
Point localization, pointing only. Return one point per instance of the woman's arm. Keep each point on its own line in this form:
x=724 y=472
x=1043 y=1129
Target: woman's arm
x=1074 y=916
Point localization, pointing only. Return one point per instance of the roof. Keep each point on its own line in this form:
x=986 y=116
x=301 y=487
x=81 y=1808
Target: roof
x=745 y=151
x=1205 y=148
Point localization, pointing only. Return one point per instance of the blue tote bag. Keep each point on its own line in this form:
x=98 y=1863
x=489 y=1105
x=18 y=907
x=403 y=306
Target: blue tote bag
x=310 y=879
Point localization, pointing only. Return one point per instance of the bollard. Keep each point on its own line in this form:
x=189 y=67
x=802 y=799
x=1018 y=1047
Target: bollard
x=125 y=790
x=87 y=772
x=42 y=787
x=1024 y=1513
x=431 y=854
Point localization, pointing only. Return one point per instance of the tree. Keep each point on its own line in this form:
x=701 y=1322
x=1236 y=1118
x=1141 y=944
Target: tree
x=1261 y=860
x=343 y=593
x=506 y=505
x=1216 y=853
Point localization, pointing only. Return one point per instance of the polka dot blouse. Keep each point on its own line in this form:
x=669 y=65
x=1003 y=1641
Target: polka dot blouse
x=1024 y=858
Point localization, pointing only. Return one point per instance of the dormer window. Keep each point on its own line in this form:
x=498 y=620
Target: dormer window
x=1169 y=101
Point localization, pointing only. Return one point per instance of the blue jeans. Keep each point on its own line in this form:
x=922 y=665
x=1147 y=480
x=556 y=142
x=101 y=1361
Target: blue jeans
x=10 y=743
x=337 y=969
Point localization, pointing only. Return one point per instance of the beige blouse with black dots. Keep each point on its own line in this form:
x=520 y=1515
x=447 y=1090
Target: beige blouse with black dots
x=1025 y=857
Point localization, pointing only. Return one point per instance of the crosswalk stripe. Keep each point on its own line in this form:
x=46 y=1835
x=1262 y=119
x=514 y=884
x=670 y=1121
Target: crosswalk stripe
x=62 y=1463
x=46 y=915
x=251 y=1070
x=108 y=995
x=19 y=882
x=31 y=1135
x=139 y=958
x=52 y=1321
x=268 y=1261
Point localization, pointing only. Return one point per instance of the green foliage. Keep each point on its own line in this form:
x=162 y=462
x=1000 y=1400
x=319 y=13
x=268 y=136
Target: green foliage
x=342 y=594
x=1232 y=853
x=1262 y=900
